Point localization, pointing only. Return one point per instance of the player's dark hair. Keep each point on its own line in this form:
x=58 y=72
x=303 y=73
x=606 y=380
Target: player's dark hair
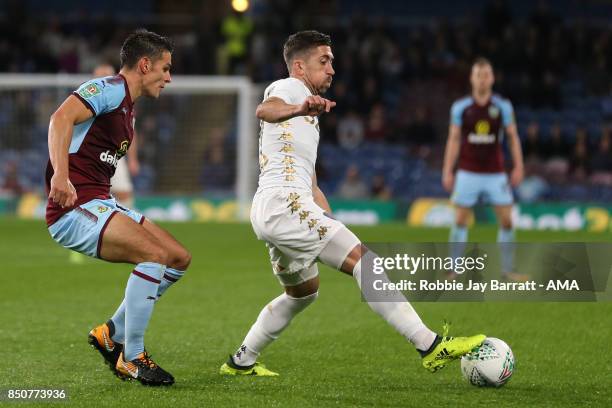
x=303 y=41
x=480 y=61
x=143 y=43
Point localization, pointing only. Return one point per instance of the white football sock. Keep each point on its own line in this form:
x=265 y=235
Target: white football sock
x=400 y=315
x=272 y=320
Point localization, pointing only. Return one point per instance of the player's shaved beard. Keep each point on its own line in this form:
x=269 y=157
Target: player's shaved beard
x=311 y=87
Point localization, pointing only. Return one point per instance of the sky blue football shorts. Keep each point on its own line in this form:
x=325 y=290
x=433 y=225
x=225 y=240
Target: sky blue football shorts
x=82 y=228
x=492 y=188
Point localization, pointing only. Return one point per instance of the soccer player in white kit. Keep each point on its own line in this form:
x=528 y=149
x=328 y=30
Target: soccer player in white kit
x=291 y=214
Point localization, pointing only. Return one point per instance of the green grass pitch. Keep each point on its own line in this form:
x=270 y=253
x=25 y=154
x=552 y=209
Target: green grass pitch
x=337 y=353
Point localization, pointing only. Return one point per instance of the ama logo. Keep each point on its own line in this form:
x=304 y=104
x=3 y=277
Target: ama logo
x=113 y=159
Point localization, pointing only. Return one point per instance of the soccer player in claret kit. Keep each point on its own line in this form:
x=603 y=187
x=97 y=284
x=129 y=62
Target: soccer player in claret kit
x=291 y=214
x=88 y=134
x=474 y=147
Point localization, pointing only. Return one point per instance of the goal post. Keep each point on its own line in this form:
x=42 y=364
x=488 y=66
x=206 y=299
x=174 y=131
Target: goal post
x=181 y=129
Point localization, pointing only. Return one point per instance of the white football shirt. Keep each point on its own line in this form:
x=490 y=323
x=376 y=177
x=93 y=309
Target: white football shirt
x=288 y=150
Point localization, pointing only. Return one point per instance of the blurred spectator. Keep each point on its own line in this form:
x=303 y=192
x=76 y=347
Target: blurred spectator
x=598 y=77
x=350 y=130
x=532 y=143
x=606 y=105
x=496 y=17
x=393 y=67
x=543 y=18
x=380 y=190
x=421 y=131
x=218 y=171
x=556 y=147
x=377 y=46
x=547 y=91
x=11 y=186
x=353 y=187
x=579 y=162
x=377 y=128
x=329 y=128
x=601 y=161
x=370 y=95
x=236 y=29
x=582 y=136
x=556 y=152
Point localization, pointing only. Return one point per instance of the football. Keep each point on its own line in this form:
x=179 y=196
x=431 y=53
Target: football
x=490 y=365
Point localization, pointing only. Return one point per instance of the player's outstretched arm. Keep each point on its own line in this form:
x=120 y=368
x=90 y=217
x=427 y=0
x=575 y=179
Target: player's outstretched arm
x=274 y=110
x=71 y=112
x=514 y=143
x=450 y=157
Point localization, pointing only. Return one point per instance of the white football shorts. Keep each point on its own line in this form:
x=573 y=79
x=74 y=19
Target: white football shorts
x=295 y=230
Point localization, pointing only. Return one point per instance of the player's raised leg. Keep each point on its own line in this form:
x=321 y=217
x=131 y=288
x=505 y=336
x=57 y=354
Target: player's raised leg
x=346 y=253
x=179 y=257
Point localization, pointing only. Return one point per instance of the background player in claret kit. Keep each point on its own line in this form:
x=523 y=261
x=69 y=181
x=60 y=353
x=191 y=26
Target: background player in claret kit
x=88 y=134
x=474 y=147
x=291 y=214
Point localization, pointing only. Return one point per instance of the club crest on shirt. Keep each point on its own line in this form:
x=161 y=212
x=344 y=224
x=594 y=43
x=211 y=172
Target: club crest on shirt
x=102 y=209
x=482 y=127
x=89 y=91
x=493 y=111
x=123 y=148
